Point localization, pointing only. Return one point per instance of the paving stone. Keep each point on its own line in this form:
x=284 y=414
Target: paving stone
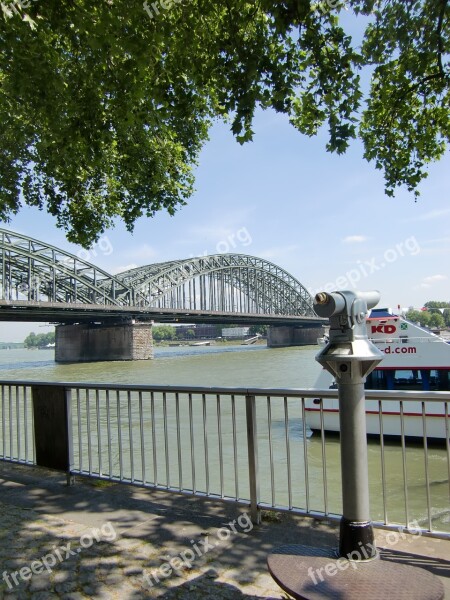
x=40 y=583
x=44 y=596
x=89 y=590
x=113 y=579
x=133 y=570
x=12 y=595
x=67 y=587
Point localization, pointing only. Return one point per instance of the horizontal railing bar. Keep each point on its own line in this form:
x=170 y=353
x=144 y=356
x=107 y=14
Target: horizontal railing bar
x=412 y=395
x=17 y=461
x=162 y=488
x=321 y=516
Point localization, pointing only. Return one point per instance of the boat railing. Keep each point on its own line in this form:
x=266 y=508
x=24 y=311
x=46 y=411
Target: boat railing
x=250 y=446
x=402 y=340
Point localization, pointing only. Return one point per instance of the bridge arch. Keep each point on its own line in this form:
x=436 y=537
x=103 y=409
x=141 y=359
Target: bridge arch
x=220 y=282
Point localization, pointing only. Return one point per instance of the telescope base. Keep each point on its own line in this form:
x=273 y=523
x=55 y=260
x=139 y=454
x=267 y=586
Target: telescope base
x=308 y=573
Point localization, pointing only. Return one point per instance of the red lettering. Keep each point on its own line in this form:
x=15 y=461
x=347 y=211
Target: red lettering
x=383 y=328
x=400 y=350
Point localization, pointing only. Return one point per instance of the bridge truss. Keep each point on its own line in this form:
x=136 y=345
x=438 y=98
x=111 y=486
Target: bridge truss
x=221 y=282
x=33 y=271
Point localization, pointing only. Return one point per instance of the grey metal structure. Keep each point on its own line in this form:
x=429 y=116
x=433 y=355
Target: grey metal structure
x=221 y=282
x=350 y=356
x=32 y=271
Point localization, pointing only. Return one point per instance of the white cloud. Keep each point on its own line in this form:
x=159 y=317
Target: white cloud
x=433 y=214
x=355 y=239
x=429 y=281
x=435 y=278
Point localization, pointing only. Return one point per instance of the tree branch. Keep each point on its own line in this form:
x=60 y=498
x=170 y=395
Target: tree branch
x=439 y=34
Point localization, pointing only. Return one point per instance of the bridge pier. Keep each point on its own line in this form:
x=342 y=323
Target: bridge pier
x=279 y=336
x=103 y=342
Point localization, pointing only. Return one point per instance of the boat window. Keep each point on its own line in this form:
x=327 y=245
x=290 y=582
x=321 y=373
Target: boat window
x=442 y=379
x=391 y=379
x=376 y=380
x=409 y=379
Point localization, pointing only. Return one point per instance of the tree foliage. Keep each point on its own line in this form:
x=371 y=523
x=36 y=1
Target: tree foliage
x=41 y=340
x=436 y=304
x=163 y=332
x=104 y=110
x=433 y=304
x=261 y=329
x=432 y=317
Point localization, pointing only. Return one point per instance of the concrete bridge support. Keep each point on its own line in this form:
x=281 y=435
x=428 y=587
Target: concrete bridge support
x=102 y=342
x=279 y=336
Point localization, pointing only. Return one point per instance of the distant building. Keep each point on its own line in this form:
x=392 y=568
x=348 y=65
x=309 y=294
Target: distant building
x=235 y=332
x=201 y=331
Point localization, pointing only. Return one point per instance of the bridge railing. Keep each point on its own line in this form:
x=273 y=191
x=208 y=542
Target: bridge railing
x=244 y=445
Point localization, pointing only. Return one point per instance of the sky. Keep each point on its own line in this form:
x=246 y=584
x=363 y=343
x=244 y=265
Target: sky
x=323 y=218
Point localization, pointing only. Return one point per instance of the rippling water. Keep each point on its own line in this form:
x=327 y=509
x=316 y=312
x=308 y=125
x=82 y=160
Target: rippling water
x=231 y=366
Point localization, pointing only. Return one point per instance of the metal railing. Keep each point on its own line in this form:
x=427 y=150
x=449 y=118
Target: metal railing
x=17 y=424
x=250 y=446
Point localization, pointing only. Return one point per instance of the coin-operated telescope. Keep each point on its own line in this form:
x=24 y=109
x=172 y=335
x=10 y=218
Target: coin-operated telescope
x=350 y=356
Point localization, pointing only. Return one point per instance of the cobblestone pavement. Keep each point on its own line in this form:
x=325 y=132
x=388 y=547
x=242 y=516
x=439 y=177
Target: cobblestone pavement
x=114 y=541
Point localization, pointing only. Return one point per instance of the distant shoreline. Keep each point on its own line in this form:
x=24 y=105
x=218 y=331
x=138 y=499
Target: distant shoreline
x=228 y=342
x=11 y=345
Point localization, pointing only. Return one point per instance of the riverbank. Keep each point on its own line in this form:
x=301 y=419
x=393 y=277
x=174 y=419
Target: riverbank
x=115 y=541
x=212 y=342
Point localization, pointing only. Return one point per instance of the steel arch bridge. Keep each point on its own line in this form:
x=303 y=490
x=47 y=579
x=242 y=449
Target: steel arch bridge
x=35 y=274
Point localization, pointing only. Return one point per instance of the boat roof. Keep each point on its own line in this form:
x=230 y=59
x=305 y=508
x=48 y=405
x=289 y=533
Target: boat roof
x=382 y=313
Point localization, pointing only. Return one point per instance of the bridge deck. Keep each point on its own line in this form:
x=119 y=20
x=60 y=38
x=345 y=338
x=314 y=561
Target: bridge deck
x=59 y=312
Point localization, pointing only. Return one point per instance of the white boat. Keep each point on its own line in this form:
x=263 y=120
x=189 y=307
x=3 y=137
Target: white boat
x=415 y=360
x=251 y=340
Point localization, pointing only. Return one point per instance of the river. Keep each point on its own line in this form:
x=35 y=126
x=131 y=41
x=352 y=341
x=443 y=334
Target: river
x=259 y=366
x=218 y=365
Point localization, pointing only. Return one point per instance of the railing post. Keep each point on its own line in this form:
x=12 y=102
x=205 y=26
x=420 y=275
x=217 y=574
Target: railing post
x=252 y=446
x=52 y=412
x=70 y=478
